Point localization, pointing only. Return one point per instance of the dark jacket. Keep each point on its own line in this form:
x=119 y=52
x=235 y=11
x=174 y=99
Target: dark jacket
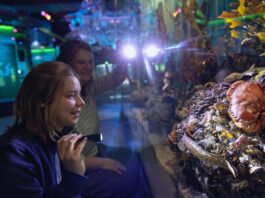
x=27 y=168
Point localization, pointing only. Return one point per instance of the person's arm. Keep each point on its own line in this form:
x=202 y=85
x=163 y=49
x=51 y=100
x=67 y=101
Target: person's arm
x=104 y=163
x=25 y=174
x=71 y=186
x=110 y=81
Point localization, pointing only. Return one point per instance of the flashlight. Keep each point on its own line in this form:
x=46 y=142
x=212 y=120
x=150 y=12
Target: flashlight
x=93 y=137
x=98 y=137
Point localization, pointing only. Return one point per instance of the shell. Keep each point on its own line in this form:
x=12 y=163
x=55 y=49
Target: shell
x=247 y=105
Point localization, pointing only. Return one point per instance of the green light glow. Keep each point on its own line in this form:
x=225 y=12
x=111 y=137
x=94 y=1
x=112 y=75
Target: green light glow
x=6 y=28
x=43 y=50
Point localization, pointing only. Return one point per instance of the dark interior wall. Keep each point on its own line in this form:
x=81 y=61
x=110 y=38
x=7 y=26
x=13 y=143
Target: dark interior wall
x=36 y=2
x=60 y=26
x=6 y=109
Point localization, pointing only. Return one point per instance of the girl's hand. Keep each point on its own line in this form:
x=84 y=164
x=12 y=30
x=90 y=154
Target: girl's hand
x=69 y=151
x=113 y=165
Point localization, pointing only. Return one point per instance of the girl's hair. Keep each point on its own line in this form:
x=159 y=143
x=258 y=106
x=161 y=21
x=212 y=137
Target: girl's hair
x=39 y=89
x=69 y=48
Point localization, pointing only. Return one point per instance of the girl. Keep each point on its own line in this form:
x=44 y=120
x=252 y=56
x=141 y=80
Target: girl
x=48 y=102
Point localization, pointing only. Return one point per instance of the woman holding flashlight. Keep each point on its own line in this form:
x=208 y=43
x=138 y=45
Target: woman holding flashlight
x=114 y=172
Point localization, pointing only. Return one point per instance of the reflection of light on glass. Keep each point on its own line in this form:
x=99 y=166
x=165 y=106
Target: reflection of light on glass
x=179 y=45
x=37 y=57
x=101 y=70
x=19 y=71
x=160 y=67
x=126 y=82
x=129 y=51
x=117 y=96
x=13 y=75
x=35 y=43
x=149 y=70
x=151 y=50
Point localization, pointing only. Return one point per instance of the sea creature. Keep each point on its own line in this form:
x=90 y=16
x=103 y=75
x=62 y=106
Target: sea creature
x=252 y=72
x=237 y=186
x=241 y=141
x=260 y=77
x=232 y=77
x=247 y=106
x=209 y=158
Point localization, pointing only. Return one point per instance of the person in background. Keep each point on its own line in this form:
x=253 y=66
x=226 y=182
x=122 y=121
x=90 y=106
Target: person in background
x=79 y=55
x=114 y=172
x=36 y=158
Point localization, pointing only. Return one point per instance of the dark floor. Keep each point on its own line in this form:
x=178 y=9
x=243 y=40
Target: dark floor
x=120 y=129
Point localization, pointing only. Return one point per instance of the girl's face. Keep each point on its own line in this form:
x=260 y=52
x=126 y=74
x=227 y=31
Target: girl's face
x=83 y=64
x=65 y=109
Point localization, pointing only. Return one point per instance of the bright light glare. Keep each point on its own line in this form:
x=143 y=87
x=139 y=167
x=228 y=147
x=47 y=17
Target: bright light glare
x=151 y=51
x=129 y=51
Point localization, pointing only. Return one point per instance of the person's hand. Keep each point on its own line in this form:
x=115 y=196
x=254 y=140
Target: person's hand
x=113 y=165
x=69 y=151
